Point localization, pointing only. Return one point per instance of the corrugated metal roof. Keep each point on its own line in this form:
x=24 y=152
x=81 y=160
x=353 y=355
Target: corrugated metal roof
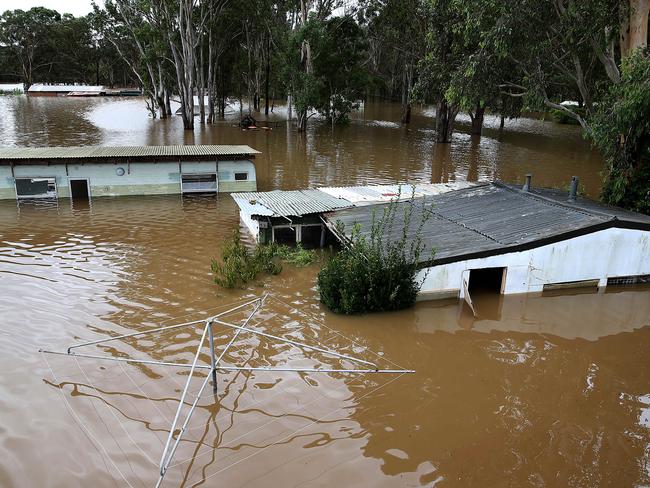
x=294 y=203
x=250 y=205
x=97 y=152
x=365 y=194
x=66 y=88
x=489 y=219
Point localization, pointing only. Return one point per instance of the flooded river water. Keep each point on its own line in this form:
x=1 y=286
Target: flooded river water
x=535 y=391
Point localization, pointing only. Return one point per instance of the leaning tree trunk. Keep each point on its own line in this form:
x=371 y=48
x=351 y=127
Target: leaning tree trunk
x=445 y=118
x=477 y=120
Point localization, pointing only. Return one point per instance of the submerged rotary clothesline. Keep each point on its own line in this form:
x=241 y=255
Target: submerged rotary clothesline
x=215 y=364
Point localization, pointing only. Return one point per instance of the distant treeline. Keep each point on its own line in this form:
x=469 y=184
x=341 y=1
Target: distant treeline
x=43 y=46
x=324 y=56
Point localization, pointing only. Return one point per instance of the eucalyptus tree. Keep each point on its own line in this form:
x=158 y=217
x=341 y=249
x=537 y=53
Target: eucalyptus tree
x=325 y=69
x=582 y=48
x=182 y=23
x=396 y=32
x=445 y=52
x=621 y=131
x=125 y=24
x=476 y=82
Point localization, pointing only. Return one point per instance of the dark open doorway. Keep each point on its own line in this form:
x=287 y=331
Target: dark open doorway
x=79 y=189
x=487 y=280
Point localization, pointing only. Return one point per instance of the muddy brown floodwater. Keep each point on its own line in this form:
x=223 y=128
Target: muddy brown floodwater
x=536 y=391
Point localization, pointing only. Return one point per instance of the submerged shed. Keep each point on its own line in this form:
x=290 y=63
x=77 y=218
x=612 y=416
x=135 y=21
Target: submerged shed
x=500 y=237
x=296 y=216
x=65 y=90
x=55 y=172
x=287 y=216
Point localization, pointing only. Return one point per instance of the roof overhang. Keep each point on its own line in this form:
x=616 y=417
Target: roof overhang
x=100 y=154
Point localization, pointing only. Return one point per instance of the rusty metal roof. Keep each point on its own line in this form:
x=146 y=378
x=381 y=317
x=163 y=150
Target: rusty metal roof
x=490 y=219
x=99 y=152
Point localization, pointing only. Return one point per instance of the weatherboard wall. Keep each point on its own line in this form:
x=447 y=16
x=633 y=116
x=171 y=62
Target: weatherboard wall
x=138 y=179
x=600 y=255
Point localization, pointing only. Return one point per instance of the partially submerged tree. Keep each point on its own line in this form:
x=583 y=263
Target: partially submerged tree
x=324 y=70
x=396 y=36
x=443 y=58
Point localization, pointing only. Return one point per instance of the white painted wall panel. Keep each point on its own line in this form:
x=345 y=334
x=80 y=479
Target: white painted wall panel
x=157 y=177
x=606 y=253
x=227 y=170
x=251 y=224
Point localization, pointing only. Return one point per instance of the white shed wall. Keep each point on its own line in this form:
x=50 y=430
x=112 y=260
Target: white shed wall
x=138 y=178
x=599 y=255
x=251 y=224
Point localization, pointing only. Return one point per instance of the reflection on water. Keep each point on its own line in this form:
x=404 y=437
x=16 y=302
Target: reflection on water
x=374 y=148
x=536 y=390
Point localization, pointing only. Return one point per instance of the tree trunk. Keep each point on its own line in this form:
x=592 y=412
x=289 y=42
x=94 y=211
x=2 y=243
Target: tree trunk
x=159 y=101
x=201 y=88
x=289 y=107
x=634 y=27
x=445 y=118
x=406 y=114
x=168 y=105
x=477 y=120
x=502 y=122
x=302 y=120
x=406 y=95
x=268 y=76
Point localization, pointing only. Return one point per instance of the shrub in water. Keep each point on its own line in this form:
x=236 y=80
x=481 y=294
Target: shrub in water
x=374 y=272
x=238 y=265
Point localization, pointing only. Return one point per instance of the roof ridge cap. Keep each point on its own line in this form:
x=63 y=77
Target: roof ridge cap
x=550 y=202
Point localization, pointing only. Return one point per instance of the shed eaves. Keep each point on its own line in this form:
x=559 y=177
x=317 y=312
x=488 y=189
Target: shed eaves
x=294 y=203
x=99 y=152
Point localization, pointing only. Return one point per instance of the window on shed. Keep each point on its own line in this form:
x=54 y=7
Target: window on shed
x=199 y=183
x=628 y=280
x=35 y=188
x=241 y=176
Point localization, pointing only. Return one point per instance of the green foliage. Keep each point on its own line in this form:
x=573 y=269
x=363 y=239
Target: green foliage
x=562 y=117
x=239 y=266
x=621 y=131
x=377 y=271
x=40 y=45
x=337 y=78
x=296 y=256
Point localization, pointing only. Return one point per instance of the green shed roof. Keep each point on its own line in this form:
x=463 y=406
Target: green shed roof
x=96 y=152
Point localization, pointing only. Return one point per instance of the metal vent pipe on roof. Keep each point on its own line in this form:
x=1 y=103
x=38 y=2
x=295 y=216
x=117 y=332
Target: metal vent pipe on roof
x=526 y=186
x=573 y=190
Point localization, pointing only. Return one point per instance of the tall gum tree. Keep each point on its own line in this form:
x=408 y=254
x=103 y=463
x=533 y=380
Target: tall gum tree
x=444 y=55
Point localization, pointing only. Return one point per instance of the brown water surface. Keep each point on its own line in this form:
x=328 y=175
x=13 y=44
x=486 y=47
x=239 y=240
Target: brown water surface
x=535 y=391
